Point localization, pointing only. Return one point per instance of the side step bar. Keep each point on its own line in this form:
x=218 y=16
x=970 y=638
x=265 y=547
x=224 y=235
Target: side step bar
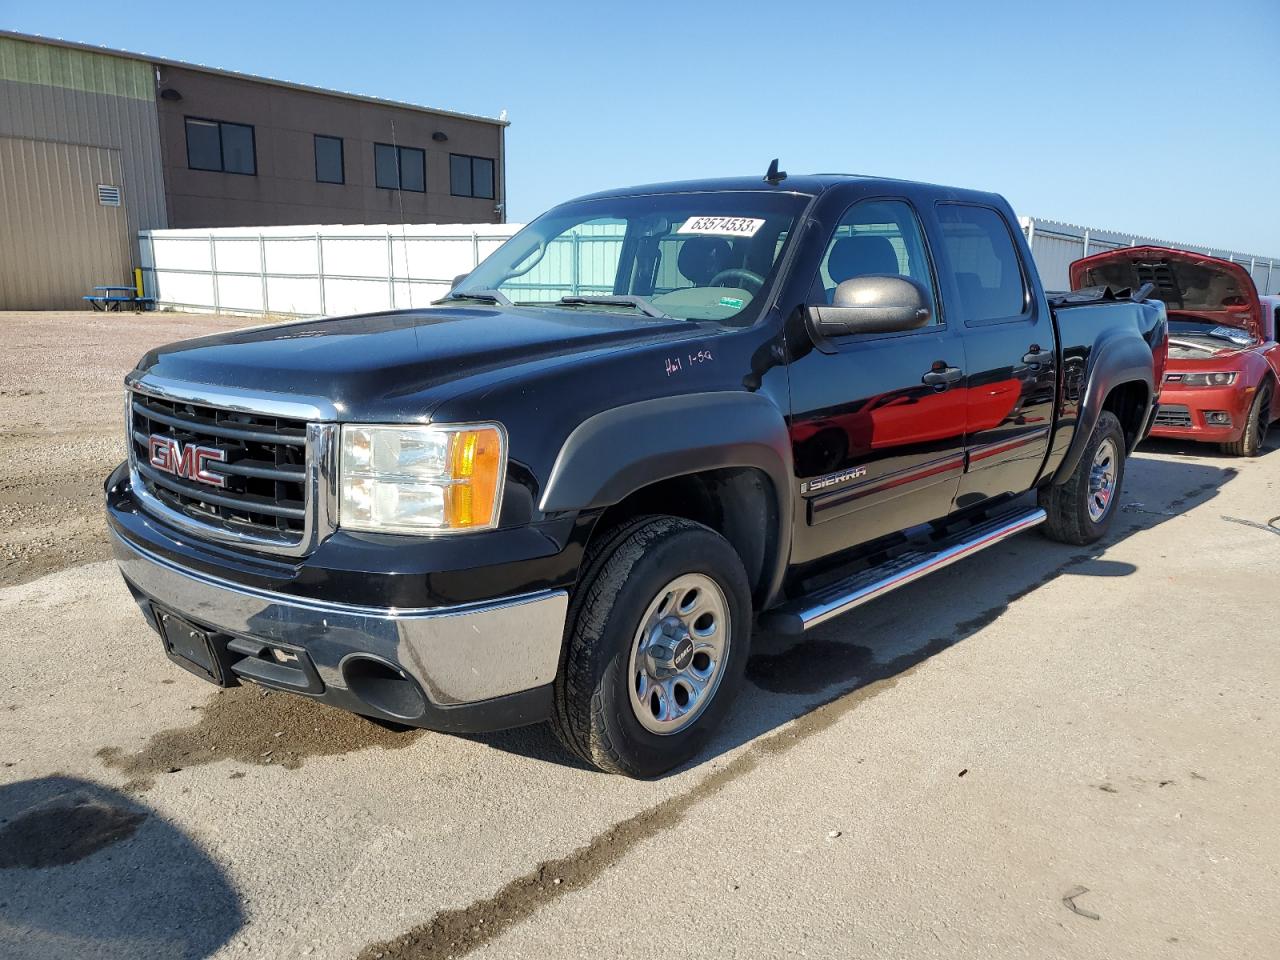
x=804 y=613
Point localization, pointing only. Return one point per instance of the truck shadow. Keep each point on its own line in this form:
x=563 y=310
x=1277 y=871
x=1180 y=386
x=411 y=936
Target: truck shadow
x=86 y=871
x=789 y=677
x=1187 y=448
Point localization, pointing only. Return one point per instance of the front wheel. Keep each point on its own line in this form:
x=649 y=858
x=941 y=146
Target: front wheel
x=1080 y=511
x=657 y=644
x=1256 y=425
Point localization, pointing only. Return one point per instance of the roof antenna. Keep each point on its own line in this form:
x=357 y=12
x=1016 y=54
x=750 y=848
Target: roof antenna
x=775 y=175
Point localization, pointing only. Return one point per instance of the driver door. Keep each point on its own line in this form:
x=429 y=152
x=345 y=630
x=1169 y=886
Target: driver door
x=877 y=447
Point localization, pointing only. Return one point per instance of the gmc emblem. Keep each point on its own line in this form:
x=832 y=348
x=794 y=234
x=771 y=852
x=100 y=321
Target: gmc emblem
x=167 y=454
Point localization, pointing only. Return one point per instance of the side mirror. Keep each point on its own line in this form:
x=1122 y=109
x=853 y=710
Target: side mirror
x=878 y=303
x=457 y=281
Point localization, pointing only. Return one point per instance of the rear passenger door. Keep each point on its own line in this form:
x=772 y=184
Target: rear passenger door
x=1009 y=345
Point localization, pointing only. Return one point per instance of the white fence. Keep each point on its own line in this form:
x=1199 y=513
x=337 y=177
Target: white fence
x=333 y=270
x=309 y=270
x=1054 y=245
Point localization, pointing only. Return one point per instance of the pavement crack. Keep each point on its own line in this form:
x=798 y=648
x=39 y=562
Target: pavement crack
x=456 y=932
x=1069 y=898
x=1268 y=527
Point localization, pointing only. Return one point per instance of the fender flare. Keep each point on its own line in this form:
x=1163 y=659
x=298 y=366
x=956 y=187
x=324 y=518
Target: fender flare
x=1118 y=357
x=618 y=451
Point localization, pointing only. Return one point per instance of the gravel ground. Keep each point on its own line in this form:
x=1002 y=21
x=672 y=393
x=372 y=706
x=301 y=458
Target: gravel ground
x=62 y=427
x=1044 y=751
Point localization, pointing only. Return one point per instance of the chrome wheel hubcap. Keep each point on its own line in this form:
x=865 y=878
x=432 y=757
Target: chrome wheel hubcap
x=1102 y=479
x=678 y=653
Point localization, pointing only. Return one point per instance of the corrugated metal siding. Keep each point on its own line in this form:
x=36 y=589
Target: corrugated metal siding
x=74 y=98
x=1054 y=245
x=49 y=66
x=47 y=184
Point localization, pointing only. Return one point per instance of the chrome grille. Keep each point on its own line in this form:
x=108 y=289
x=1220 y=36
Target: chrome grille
x=266 y=467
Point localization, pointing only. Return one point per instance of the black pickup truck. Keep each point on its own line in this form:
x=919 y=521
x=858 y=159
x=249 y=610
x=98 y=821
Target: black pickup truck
x=654 y=418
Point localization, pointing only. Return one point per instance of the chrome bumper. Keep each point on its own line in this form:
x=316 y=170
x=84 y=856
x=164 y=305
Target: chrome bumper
x=458 y=655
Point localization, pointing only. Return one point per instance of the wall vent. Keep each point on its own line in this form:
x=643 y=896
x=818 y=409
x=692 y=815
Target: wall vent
x=108 y=195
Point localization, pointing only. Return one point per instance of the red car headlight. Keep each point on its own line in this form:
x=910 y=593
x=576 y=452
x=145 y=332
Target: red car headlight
x=1220 y=379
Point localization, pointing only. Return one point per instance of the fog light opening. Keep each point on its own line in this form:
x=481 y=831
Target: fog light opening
x=1219 y=418
x=386 y=688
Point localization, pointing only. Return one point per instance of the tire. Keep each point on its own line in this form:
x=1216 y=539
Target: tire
x=1074 y=513
x=608 y=653
x=1256 y=425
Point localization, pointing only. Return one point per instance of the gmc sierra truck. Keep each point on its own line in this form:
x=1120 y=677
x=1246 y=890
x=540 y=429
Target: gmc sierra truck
x=654 y=418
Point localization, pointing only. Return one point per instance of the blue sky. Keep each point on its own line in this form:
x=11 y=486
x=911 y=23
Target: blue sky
x=1161 y=118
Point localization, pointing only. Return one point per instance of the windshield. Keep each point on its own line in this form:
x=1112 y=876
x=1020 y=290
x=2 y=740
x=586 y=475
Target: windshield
x=1187 y=329
x=691 y=256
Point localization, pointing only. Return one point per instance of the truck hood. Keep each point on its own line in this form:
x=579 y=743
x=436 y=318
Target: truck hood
x=390 y=363
x=1189 y=283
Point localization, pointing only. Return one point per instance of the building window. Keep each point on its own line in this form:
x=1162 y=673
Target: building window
x=470 y=176
x=329 y=160
x=400 y=168
x=221 y=147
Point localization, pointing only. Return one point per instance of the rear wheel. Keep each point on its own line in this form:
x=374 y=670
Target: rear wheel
x=1256 y=425
x=1080 y=511
x=658 y=641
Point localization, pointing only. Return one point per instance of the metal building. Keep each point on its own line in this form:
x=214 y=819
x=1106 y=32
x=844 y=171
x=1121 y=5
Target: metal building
x=96 y=145
x=1054 y=245
x=80 y=171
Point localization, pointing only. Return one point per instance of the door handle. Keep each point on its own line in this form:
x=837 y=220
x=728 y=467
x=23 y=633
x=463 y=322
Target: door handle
x=942 y=376
x=1035 y=357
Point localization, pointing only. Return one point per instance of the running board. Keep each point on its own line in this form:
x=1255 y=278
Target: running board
x=796 y=616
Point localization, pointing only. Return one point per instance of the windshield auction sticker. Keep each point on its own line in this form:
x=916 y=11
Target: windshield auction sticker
x=722 y=226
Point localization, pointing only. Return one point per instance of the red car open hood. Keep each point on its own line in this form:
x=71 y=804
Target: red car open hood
x=1189 y=283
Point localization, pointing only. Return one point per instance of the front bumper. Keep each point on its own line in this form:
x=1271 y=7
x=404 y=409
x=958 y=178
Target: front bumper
x=467 y=667
x=1182 y=413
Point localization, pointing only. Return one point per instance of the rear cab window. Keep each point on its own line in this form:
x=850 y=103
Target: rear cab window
x=983 y=263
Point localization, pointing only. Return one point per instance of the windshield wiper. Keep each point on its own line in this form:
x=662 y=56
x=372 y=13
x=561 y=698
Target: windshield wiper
x=616 y=300
x=1239 y=338
x=496 y=297
x=1191 y=344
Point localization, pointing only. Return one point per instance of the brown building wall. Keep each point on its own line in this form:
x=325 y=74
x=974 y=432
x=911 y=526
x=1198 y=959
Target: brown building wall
x=285 y=121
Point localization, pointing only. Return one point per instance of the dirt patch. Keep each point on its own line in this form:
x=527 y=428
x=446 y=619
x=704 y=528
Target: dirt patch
x=251 y=725
x=64 y=831
x=62 y=427
x=1227 y=474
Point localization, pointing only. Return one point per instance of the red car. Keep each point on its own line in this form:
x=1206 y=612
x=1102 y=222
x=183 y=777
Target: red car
x=1224 y=362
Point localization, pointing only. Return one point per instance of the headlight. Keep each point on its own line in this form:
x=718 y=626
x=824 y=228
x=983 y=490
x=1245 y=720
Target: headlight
x=421 y=479
x=1202 y=379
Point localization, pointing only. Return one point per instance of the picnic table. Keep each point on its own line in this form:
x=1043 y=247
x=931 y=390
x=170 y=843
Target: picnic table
x=108 y=297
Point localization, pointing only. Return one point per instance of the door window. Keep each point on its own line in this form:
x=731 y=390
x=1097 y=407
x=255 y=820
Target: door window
x=983 y=262
x=878 y=237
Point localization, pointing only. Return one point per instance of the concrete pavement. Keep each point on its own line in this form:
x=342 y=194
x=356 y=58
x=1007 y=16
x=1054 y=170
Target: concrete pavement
x=929 y=776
